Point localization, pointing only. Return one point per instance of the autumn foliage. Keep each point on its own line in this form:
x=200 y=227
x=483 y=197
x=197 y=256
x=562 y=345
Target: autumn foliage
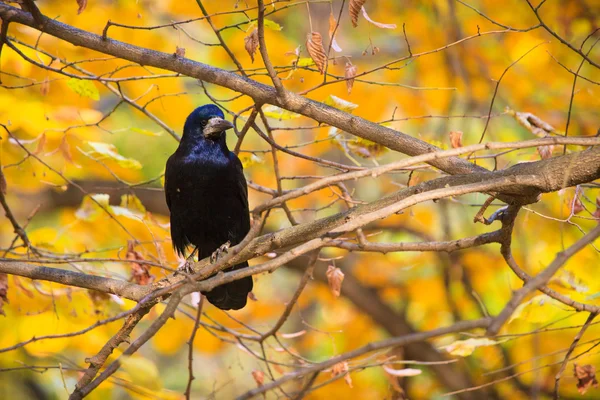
x=85 y=136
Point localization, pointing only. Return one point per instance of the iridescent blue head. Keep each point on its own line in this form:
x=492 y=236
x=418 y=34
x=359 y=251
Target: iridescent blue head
x=207 y=121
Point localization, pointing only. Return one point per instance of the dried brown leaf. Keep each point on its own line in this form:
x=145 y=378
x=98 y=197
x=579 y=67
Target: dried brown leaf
x=341 y=368
x=140 y=273
x=586 y=377
x=41 y=144
x=335 y=277
x=456 y=139
x=3 y=292
x=251 y=43
x=355 y=9
x=259 y=377
x=596 y=213
x=545 y=152
x=532 y=123
x=2 y=182
x=82 y=5
x=349 y=74
x=65 y=150
x=332 y=30
x=45 y=86
x=576 y=205
x=180 y=51
x=314 y=45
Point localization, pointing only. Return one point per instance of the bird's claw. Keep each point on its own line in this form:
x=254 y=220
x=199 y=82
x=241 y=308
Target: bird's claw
x=220 y=251
x=187 y=267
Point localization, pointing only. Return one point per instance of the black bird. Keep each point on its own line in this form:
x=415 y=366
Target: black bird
x=207 y=195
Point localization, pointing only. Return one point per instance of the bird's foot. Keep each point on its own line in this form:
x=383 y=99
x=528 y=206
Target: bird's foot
x=220 y=251
x=187 y=266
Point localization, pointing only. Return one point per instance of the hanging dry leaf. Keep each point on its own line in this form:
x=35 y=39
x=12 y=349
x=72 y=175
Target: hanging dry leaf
x=180 y=52
x=3 y=292
x=596 y=213
x=456 y=139
x=332 y=30
x=576 y=205
x=355 y=8
x=586 y=377
x=342 y=368
x=45 y=86
x=41 y=144
x=82 y=5
x=65 y=150
x=251 y=43
x=349 y=74
x=335 y=277
x=2 y=182
x=377 y=24
x=545 y=152
x=140 y=273
x=259 y=377
x=314 y=45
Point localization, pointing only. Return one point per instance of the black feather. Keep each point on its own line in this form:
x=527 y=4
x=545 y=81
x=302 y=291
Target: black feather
x=207 y=195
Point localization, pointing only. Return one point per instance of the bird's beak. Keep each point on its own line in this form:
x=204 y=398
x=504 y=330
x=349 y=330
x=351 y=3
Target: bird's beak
x=215 y=126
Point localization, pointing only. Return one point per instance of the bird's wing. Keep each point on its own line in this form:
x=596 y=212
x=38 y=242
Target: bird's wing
x=178 y=237
x=241 y=180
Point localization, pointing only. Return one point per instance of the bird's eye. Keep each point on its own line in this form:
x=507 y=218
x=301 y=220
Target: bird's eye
x=203 y=123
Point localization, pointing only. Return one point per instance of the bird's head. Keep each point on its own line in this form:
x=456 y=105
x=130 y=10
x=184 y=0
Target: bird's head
x=207 y=121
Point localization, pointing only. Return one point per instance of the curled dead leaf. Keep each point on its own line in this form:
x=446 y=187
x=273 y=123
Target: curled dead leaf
x=45 y=86
x=586 y=377
x=140 y=273
x=251 y=43
x=82 y=5
x=180 y=52
x=65 y=150
x=3 y=292
x=377 y=24
x=259 y=377
x=532 y=123
x=402 y=372
x=355 y=9
x=456 y=139
x=349 y=74
x=335 y=277
x=341 y=368
x=314 y=45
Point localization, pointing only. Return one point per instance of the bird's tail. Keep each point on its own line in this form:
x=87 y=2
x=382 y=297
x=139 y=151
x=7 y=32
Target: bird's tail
x=232 y=295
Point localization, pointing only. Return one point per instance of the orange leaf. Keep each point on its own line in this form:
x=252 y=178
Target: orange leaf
x=259 y=377
x=332 y=25
x=545 y=152
x=342 y=368
x=456 y=139
x=314 y=45
x=140 y=273
x=586 y=377
x=180 y=51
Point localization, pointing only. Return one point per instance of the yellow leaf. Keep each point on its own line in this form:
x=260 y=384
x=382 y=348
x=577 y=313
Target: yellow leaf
x=83 y=87
x=93 y=206
x=539 y=309
x=145 y=132
x=249 y=160
x=304 y=62
x=340 y=104
x=465 y=348
x=141 y=371
x=269 y=24
x=108 y=151
x=279 y=113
